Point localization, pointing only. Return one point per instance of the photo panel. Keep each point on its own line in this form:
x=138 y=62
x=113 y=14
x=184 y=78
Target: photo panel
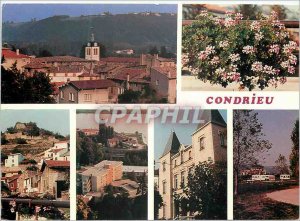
x=35 y=164
x=89 y=53
x=191 y=165
x=266 y=164
x=247 y=47
x=112 y=165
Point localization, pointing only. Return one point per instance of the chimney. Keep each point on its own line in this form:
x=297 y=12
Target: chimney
x=18 y=52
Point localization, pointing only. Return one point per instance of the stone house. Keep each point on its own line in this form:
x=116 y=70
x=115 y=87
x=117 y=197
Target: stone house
x=163 y=80
x=11 y=57
x=89 y=92
x=55 y=175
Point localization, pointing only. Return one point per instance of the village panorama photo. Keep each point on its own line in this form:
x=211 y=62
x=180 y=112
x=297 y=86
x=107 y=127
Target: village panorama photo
x=93 y=54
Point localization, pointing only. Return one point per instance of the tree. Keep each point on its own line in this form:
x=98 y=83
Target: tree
x=33 y=129
x=280 y=10
x=129 y=97
x=205 y=193
x=20 y=88
x=153 y=50
x=281 y=164
x=11 y=130
x=158 y=202
x=294 y=156
x=249 y=11
x=248 y=141
x=44 y=53
x=83 y=210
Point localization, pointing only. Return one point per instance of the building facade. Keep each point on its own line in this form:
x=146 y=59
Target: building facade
x=104 y=173
x=14 y=160
x=177 y=161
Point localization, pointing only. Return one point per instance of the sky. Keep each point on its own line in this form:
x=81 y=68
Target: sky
x=53 y=120
x=277 y=126
x=26 y=12
x=183 y=132
x=87 y=121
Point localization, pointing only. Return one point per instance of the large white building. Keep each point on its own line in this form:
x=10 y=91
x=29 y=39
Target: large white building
x=178 y=160
x=14 y=160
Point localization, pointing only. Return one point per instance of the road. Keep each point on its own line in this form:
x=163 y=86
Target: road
x=290 y=196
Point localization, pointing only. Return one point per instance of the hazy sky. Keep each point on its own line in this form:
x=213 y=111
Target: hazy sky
x=277 y=126
x=183 y=132
x=25 y=12
x=87 y=121
x=53 y=120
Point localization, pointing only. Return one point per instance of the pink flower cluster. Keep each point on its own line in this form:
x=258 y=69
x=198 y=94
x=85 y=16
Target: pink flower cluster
x=248 y=49
x=208 y=50
x=234 y=57
x=274 y=49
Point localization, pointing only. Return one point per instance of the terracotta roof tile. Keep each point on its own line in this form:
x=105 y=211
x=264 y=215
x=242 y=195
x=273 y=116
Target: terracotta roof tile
x=121 y=60
x=61 y=59
x=92 y=84
x=57 y=163
x=7 y=53
x=170 y=72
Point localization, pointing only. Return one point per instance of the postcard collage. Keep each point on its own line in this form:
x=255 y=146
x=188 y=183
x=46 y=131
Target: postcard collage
x=139 y=110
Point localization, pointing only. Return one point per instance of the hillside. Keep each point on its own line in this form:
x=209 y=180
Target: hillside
x=66 y=35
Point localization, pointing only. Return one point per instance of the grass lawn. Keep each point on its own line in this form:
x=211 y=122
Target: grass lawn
x=258 y=206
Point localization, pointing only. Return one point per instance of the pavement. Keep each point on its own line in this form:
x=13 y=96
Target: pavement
x=290 y=196
x=191 y=83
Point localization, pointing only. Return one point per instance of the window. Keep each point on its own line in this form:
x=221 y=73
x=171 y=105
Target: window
x=181 y=157
x=71 y=96
x=202 y=144
x=12 y=160
x=157 y=82
x=222 y=139
x=61 y=95
x=164 y=166
x=190 y=154
x=87 y=97
x=175 y=182
x=182 y=179
x=164 y=187
x=12 y=185
x=175 y=163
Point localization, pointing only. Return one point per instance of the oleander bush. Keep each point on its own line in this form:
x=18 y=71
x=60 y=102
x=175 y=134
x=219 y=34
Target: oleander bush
x=254 y=54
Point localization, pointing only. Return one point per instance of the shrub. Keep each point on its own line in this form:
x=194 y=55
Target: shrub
x=20 y=141
x=252 y=53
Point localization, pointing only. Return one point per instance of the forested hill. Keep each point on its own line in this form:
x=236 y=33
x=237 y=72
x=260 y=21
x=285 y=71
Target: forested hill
x=66 y=35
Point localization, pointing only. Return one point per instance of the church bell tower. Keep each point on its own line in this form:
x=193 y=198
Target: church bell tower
x=92 y=50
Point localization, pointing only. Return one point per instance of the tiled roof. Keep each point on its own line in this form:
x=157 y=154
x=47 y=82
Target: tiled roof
x=121 y=60
x=170 y=72
x=66 y=69
x=89 y=130
x=7 y=53
x=61 y=59
x=135 y=75
x=57 y=150
x=92 y=84
x=166 y=59
x=36 y=65
x=57 y=163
